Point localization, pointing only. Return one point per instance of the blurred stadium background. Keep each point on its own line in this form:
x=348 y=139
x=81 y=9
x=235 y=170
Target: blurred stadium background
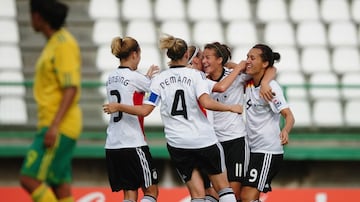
x=319 y=43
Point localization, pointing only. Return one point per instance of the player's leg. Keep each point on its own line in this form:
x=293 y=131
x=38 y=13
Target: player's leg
x=130 y=195
x=236 y=158
x=213 y=162
x=249 y=194
x=196 y=185
x=61 y=169
x=262 y=169
x=222 y=186
x=150 y=176
x=185 y=162
x=210 y=193
x=118 y=172
x=63 y=193
x=35 y=168
x=150 y=194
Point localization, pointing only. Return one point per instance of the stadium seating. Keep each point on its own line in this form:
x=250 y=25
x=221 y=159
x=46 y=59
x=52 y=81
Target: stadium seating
x=342 y=65
x=315 y=59
x=355 y=8
x=13 y=110
x=328 y=113
x=300 y=10
x=103 y=9
x=293 y=79
x=136 y=10
x=180 y=27
x=319 y=43
x=269 y=11
x=289 y=61
x=105 y=60
x=235 y=10
x=207 y=26
x=301 y=109
x=10 y=57
x=279 y=33
x=350 y=81
x=241 y=33
x=105 y=30
x=8 y=9
x=15 y=90
x=351 y=118
x=144 y=31
x=311 y=33
x=169 y=10
x=320 y=89
x=342 y=34
x=328 y=8
x=202 y=10
x=9 y=31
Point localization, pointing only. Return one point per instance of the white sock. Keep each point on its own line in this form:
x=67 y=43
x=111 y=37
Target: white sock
x=227 y=195
x=125 y=200
x=148 y=198
x=209 y=198
x=198 y=200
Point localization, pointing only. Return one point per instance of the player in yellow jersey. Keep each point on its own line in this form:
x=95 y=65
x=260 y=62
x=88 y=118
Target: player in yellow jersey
x=46 y=172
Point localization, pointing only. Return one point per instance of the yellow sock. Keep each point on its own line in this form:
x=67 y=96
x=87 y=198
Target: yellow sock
x=67 y=199
x=43 y=194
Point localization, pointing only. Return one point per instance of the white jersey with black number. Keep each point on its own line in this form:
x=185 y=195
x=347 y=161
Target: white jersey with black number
x=127 y=87
x=185 y=125
x=263 y=119
x=227 y=125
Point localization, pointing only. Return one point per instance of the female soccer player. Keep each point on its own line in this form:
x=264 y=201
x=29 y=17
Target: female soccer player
x=191 y=140
x=129 y=162
x=230 y=127
x=266 y=139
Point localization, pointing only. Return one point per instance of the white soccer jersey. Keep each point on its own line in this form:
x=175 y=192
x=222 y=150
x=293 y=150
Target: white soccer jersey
x=227 y=125
x=185 y=124
x=263 y=119
x=210 y=113
x=127 y=87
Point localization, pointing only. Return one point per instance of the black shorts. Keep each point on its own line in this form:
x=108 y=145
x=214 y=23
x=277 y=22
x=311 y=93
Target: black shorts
x=130 y=168
x=236 y=158
x=262 y=169
x=208 y=159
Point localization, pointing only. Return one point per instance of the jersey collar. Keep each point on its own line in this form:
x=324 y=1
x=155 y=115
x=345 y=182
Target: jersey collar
x=177 y=66
x=123 y=67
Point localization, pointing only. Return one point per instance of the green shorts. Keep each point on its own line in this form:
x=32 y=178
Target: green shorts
x=51 y=165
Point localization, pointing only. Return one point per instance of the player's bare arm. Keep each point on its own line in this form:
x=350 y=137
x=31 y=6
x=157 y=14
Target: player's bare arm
x=289 y=123
x=265 y=89
x=139 y=110
x=207 y=102
x=224 y=84
x=69 y=94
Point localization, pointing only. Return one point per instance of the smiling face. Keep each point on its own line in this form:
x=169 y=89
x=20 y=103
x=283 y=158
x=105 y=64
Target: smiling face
x=254 y=62
x=211 y=62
